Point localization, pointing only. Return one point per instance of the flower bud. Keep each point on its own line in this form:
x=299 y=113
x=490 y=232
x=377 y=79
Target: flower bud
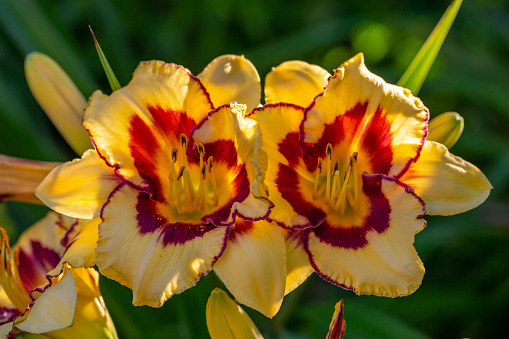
x=446 y=128
x=226 y=319
x=337 y=326
x=59 y=97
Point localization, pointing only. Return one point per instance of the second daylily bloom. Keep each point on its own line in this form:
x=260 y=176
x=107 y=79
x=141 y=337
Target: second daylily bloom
x=352 y=174
x=171 y=179
x=46 y=285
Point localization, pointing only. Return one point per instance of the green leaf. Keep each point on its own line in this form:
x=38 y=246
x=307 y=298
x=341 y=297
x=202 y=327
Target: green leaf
x=416 y=73
x=115 y=85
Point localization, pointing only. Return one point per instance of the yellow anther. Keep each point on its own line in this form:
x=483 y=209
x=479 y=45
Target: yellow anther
x=201 y=150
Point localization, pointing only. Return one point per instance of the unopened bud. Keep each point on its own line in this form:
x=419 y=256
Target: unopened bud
x=446 y=128
x=59 y=97
x=226 y=319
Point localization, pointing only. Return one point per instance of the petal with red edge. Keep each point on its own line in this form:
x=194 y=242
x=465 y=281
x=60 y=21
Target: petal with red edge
x=253 y=265
x=142 y=249
x=447 y=184
x=279 y=126
x=298 y=268
x=360 y=112
x=375 y=257
x=54 y=309
x=80 y=187
x=232 y=78
x=295 y=82
x=136 y=127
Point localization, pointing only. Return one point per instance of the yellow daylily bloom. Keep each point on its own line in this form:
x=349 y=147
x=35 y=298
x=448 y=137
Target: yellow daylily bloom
x=446 y=128
x=352 y=175
x=20 y=177
x=177 y=180
x=47 y=285
x=227 y=320
x=59 y=97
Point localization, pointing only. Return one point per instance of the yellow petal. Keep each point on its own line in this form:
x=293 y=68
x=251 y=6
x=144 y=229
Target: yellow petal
x=227 y=320
x=295 y=82
x=298 y=268
x=384 y=263
x=59 y=97
x=253 y=265
x=232 y=78
x=355 y=91
x=91 y=317
x=447 y=184
x=337 y=326
x=138 y=125
x=20 y=177
x=446 y=128
x=155 y=256
x=80 y=187
x=54 y=309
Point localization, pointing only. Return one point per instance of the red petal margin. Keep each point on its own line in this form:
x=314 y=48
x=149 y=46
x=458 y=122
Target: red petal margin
x=378 y=220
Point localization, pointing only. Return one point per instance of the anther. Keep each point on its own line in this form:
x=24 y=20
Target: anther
x=355 y=182
x=201 y=150
x=183 y=141
x=199 y=203
x=334 y=194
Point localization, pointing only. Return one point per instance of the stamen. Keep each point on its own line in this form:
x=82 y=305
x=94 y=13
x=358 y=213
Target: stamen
x=188 y=191
x=179 y=190
x=201 y=150
x=199 y=203
x=334 y=194
x=214 y=183
x=355 y=182
x=172 y=177
x=329 y=157
x=315 y=187
x=183 y=141
x=341 y=203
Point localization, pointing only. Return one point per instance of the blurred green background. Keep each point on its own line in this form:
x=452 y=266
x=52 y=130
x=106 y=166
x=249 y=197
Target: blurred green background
x=465 y=292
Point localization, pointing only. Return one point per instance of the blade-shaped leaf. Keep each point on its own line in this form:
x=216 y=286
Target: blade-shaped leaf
x=112 y=79
x=416 y=73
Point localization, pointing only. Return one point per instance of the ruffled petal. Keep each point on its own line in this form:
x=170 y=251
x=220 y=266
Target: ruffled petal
x=253 y=265
x=377 y=255
x=447 y=184
x=360 y=112
x=279 y=125
x=148 y=250
x=295 y=82
x=232 y=78
x=80 y=187
x=54 y=309
x=298 y=268
x=91 y=317
x=136 y=127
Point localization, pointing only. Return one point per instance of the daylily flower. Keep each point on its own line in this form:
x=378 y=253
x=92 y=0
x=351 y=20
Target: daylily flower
x=352 y=174
x=171 y=178
x=337 y=325
x=46 y=285
x=226 y=319
x=20 y=177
